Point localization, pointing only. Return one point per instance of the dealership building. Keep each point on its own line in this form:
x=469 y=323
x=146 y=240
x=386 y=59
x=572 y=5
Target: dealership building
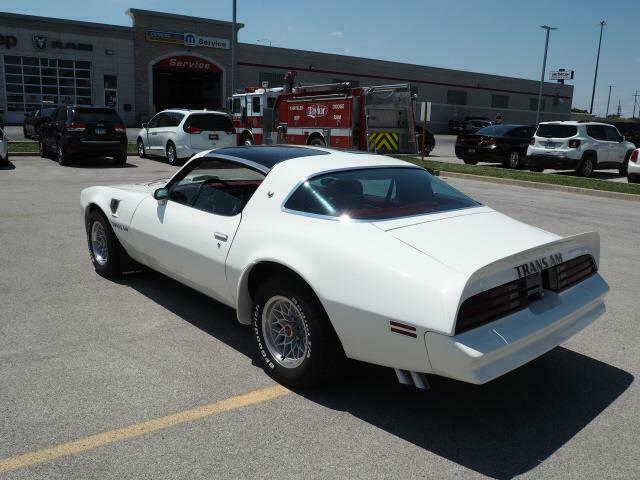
x=166 y=60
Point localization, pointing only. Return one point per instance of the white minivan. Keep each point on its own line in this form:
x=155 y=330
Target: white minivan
x=178 y=134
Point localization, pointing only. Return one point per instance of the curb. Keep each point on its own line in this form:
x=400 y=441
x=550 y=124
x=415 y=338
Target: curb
x=544 y=186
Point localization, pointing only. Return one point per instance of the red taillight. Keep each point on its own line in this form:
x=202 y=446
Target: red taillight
x=574 y=143
x=76 y=127
x=634 y=156
x=532 y=141
x=191 y=129
x=120 y=128
x=459 y=139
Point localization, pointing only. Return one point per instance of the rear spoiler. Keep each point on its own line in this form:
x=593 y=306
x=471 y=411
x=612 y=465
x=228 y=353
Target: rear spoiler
x=506 y=269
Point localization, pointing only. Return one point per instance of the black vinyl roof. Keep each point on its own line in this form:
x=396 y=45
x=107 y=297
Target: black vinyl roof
x=267 y=155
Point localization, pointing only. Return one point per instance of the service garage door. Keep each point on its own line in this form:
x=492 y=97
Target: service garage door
x=184 y=81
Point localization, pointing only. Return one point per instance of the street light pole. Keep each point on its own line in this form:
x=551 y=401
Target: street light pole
x=608 y=100
x=233 y=50
x=635 y=100
x=544 y=67
x=595 y=75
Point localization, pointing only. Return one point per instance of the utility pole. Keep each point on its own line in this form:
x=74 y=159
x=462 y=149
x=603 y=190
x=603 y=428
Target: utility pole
x=595 y=76
x=544 y=67
x=608 y=100
x=233 y=50
x=635 y=100
x=619 y=108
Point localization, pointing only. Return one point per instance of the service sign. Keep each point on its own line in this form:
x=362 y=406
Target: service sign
x=193 y=40
x=561 y=75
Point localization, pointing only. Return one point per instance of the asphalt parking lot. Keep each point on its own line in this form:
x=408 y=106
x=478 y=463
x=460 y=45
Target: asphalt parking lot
x=146 y=378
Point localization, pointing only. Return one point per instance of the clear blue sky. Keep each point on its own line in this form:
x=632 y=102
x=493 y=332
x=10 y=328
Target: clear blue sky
x=491 y=36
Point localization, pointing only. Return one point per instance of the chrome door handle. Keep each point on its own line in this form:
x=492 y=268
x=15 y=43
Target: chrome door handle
x=220 y=236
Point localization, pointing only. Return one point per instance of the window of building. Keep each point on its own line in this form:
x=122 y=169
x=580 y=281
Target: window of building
x=456 y=97
x=499 y=101
x=110 y=89
x=31 y=80
x=533 y=104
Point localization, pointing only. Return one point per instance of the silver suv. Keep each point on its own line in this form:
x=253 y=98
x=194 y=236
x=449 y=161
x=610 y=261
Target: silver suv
x=580 y=146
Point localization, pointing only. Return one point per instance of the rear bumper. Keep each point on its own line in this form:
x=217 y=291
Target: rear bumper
x=557 y=162
x=481 y=154
x=487 y=352
x=75 y=146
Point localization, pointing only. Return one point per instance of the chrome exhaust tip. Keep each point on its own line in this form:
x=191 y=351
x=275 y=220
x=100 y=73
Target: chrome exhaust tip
x=417 y=379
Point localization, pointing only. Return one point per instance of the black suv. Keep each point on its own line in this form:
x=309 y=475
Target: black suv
x=77 y=130
x=33 y=120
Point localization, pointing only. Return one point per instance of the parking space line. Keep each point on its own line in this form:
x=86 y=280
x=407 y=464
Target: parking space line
x=92 y=442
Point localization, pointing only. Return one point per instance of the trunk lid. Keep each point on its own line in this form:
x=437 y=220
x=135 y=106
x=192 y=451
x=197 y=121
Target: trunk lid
x=468 y=239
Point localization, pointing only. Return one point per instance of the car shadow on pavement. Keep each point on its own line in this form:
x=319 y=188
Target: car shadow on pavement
x=9 y=166
x=607 y=175
x=502 y=429
x=97 y=162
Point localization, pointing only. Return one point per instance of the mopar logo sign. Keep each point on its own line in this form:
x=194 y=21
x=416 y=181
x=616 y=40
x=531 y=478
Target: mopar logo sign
x=190 y=39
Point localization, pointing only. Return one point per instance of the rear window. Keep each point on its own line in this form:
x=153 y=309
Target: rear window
x=556 y=131
x=494 y=130
x=92 y=115
x=209 y=122
x=376 y=194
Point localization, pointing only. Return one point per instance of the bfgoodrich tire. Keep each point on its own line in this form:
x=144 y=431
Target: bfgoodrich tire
x=296 y=343
x=104 y=248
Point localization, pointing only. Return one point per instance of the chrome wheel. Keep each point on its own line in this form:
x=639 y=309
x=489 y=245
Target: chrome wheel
x=514 y=159
x=247 y=142
x=285 y=332
x=587 y=170
x=140 y=148
x=99 y=245
x=171 y=154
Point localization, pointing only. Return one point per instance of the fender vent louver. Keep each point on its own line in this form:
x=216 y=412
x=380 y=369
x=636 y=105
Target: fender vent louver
x=113 y=206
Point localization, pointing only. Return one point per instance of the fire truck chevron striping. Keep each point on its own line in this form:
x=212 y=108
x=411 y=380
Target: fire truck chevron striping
x=383 y=142
x=376 y=119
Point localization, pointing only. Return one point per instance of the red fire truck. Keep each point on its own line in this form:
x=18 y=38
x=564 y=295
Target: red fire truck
x=375 y=119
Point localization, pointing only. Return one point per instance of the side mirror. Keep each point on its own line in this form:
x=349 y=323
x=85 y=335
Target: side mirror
x=161 y=195
x=145 y=125
x=622 y=138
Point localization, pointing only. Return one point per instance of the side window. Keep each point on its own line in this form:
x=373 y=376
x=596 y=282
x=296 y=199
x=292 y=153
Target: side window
x=612 y=134
x=596 y=132
x=175 y=118
x=153 y=123
x=216 y=186
x=236 y=106
x=165 y=120
x=255 y=104
x=61 y=114
x=517 y=133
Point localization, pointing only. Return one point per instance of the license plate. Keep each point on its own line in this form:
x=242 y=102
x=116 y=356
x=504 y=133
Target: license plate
x=550 y=145
x=472 y=150
x=100 y=131
x=213 y=136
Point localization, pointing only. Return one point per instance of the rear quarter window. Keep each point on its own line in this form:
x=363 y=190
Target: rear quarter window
x=556 y=131
x=209 y=122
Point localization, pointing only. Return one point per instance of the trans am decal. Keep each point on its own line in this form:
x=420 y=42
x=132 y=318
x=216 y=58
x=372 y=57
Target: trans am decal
x=538 y=265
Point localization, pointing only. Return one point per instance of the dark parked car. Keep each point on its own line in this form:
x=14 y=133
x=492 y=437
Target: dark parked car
x=87 y=131
x=455 y=127
x=506 y=144
x=32 y=121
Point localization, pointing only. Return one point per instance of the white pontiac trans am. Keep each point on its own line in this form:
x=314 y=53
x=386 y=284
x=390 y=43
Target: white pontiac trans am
x=330 y=254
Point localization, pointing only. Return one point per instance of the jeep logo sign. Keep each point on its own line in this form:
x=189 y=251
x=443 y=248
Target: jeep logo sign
x=8 y=41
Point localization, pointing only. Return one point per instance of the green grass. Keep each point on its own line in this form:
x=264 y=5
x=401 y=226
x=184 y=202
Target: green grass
x=554 y=179
x=32 y=147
